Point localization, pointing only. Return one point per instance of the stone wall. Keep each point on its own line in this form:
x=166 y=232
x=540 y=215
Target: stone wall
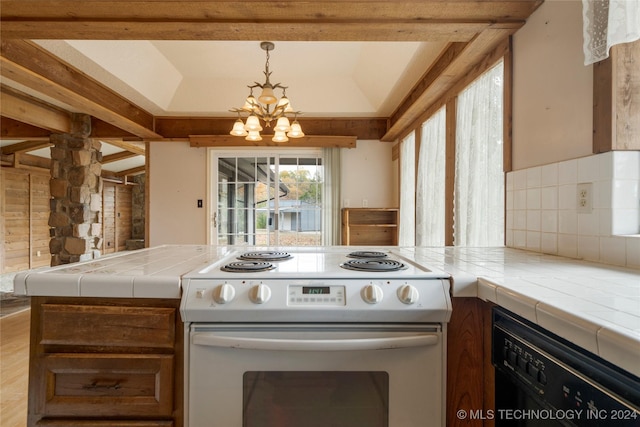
x=138 y=207
x=76 y=194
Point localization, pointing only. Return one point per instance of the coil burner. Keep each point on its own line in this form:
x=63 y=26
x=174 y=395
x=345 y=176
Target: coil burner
x=247 y=267
x=265 y=256
x=367 y=255
x=373 y=265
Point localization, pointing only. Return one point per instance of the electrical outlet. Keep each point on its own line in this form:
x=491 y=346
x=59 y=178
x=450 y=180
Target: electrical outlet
x=584 y=197
x=365 y=203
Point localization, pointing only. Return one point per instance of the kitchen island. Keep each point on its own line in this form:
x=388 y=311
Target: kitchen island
x=120 y=312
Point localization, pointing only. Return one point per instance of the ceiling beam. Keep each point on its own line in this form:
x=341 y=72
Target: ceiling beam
x=453 y=64
x=27 y=110
x=31 y=66
x=337 y=20
x=14 y=129
x=135 y=147
x=133 y=171
x=295 y=31
x=363 y=128
x=306 y=141
x=22 y=147
x=122 y=155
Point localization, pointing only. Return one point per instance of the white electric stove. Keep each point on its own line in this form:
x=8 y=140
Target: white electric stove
x=315 y=336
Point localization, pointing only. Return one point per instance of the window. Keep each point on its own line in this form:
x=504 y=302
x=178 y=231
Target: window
x=457 y=200
x=430 y=192
x=479 y=177
x=267 y=199
x=406 y=234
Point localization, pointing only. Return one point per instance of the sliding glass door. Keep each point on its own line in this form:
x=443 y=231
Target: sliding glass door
x=267 y=199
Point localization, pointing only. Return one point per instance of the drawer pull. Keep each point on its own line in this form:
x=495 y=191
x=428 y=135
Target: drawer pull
x=95 y=386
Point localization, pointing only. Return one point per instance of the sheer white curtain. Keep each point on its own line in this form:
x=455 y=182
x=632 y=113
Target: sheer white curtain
x=479 y=179
x=607 y=23
x=331 y=197
x=431 y=179
x=406 y=233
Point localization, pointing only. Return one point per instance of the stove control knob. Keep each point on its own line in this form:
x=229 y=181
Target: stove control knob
x=408 y=294
x=224 y=293
x=372 y=294
x=260 y=294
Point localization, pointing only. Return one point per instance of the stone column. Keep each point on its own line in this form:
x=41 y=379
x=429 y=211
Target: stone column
x=76 y=194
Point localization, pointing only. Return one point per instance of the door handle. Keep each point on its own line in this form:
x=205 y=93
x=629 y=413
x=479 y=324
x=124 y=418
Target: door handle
x=390 y=343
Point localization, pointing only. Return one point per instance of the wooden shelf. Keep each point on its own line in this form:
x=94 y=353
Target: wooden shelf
x=370 y=226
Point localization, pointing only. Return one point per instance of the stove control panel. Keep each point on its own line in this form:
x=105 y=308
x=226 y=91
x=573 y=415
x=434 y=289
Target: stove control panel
x=316 y=295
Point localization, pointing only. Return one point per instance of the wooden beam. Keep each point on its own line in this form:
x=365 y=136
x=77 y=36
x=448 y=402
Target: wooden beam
x=450 y=171
x=362 y=128
x=616 y=87
x=22 y=147
x=118 y=156
x=294 y=31
x=135 y=147
x=133 y=171
x=306 y=141
x=32 y=66
x=293 y=10
x=258 y=20
x=13 y=129
x=499 y=52
x=23 y=159
x=33 y=113
x=458 y=60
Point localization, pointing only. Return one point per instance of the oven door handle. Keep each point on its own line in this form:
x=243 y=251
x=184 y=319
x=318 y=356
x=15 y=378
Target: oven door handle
x=389 y=343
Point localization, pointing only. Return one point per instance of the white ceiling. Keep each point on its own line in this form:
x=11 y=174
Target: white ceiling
x=207 y=78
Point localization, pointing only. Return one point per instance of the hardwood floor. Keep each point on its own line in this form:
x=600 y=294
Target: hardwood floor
x=14 y=368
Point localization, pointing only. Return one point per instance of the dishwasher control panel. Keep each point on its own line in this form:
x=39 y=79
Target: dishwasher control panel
x=537 y=369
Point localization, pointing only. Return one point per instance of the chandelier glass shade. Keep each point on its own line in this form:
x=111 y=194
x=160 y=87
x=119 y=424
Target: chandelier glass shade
x=267 y=108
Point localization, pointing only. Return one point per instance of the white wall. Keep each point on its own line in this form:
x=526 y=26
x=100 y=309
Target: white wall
x=178 y=179
x=552 y=88
x=368 y=176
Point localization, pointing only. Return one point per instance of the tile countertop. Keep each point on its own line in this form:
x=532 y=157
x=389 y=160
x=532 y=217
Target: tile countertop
x=595 y=306
x=146 y=273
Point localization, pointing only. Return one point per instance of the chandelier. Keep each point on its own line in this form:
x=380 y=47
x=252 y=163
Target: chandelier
x=267 y=108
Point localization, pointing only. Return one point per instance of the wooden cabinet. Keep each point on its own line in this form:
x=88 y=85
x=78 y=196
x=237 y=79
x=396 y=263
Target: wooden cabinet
x=470 y=374
x=370 y=227
x=99 y=361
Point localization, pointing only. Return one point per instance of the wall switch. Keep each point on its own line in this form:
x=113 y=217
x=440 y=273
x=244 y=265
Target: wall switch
x=584 y=197
x=347 y=202
x=199 y=203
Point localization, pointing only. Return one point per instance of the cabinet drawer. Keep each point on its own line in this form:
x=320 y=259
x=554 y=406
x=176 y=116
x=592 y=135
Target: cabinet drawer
x=107 y=326
x=103 y=423
x=102 y=385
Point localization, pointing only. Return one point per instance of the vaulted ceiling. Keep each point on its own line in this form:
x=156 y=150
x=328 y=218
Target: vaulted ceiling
x=149 y=70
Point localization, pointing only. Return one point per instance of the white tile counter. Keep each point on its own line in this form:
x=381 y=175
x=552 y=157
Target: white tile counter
x=146 y=273
x=595 y=306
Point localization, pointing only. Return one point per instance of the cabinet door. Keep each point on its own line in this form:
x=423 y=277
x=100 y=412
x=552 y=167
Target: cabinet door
x=107 y=326
x=103 y=385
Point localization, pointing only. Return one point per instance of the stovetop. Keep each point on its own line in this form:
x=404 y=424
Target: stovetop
x=319 y=262
x=315 y=284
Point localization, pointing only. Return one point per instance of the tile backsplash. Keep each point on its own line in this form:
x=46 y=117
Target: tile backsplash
x=587 y=208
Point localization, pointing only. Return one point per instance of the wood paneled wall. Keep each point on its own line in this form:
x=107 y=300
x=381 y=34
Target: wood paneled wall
x=24 y=223
x=116 y=217
x=25 y=215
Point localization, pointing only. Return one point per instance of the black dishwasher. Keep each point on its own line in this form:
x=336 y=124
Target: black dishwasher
x=544 y=380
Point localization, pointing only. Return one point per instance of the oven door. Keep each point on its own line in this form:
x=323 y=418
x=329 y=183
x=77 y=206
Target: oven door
x=316 y=375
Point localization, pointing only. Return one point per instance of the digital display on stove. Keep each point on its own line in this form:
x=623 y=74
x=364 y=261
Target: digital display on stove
x=316 y=290
x=316 y=295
